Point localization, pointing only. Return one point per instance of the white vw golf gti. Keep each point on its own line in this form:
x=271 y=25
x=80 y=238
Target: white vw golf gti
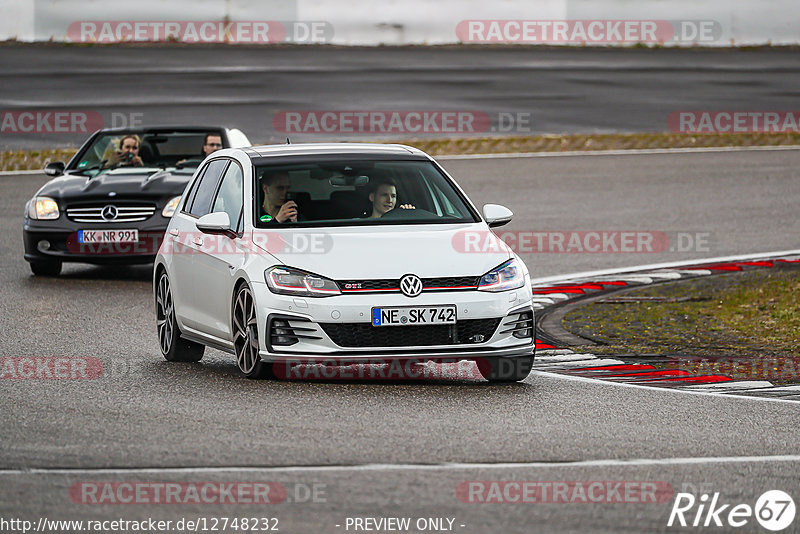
x=337 y=253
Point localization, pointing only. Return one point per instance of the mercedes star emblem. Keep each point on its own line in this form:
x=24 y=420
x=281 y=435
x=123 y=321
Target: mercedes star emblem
x=109 y=213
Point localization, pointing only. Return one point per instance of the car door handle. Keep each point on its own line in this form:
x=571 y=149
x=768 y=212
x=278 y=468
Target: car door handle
x=198 y=241
x=174 y=232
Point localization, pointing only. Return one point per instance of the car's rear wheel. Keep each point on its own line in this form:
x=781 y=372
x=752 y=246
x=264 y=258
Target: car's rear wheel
x=505 y=369
x=46 y=268
x=173 y=346
x=245 y=336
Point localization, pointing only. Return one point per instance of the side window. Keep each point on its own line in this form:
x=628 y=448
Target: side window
x=229 y=198
x=193 y=190
x=207 y=186
x=447 y=205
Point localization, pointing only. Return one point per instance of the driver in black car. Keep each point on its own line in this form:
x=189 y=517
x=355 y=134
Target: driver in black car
x=384 y=199
x=211 y=144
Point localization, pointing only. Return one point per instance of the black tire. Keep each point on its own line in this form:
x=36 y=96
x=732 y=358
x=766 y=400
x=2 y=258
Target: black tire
x=46 y=267
x=173 y=346
x=245 y=336
x=505 y=369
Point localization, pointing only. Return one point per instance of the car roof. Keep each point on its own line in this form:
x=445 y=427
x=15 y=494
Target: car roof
x=337 y=149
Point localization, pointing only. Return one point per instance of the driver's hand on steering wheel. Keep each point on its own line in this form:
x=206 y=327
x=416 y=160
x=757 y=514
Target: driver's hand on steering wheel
x=407 y=207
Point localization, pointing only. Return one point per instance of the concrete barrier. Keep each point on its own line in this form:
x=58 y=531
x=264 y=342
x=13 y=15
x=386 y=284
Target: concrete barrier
x=394 y=22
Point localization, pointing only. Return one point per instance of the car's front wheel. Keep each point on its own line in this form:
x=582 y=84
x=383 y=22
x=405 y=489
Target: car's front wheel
x=245 y=336
x=46 y=268
x=173 y=346
x=505 y=369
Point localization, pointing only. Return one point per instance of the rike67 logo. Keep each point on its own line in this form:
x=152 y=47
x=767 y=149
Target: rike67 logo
x=774 y=510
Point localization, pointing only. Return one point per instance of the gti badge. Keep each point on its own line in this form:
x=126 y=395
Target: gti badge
x=411 y=285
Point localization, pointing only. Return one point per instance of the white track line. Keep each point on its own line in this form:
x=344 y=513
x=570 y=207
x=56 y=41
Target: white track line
x=563 y=358
x=12 y=173
x=585 y=362
x=454 y=466
x=728 y=387
x=663 y=389
x=628 y=152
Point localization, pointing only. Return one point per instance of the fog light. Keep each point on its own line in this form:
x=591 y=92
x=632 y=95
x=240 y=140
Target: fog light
x=43 y=245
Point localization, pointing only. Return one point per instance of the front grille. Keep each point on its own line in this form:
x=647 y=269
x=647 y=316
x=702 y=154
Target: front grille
x=93 y=213
x=450 y=283
x=365 y=335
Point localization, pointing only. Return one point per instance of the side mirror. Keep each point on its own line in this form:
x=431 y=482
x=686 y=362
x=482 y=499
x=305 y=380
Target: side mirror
x=497 y=215
x=214 y=223
x=55 y=168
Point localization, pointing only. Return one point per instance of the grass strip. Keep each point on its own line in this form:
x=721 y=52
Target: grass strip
x=745 y=314
x=17 y=160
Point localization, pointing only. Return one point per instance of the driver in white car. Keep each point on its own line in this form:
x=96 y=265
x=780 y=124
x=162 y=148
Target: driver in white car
x=384 y=199
x=276 y=185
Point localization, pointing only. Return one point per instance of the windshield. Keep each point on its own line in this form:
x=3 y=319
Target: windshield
x=354 y=192
x=136 y=149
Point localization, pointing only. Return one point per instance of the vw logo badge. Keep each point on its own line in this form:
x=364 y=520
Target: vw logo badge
x=109 y=213
x=411 y=285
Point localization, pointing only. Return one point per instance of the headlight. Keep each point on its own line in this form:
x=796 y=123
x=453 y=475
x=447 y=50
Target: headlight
x=172 y=205
x=503 y=278
x=288 y=281
x=43 y=208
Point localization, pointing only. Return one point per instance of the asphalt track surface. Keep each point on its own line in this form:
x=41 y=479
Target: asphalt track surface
x=563 y=90
x=398 y=448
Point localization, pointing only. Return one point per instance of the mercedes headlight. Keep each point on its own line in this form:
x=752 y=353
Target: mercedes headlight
x=43 y=208
x=503 y=278
x=288 y=281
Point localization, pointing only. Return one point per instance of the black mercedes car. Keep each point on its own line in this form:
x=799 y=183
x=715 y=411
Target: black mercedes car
x=112 y=202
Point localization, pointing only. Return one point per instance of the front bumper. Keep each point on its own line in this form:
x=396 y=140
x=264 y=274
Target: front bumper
x=310 y=323
x=49 y=241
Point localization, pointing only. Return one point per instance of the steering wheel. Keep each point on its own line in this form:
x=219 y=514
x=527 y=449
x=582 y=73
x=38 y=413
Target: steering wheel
x=400 y=213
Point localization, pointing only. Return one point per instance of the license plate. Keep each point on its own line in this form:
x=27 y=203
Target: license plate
x=108 y=236
x=413 y=315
